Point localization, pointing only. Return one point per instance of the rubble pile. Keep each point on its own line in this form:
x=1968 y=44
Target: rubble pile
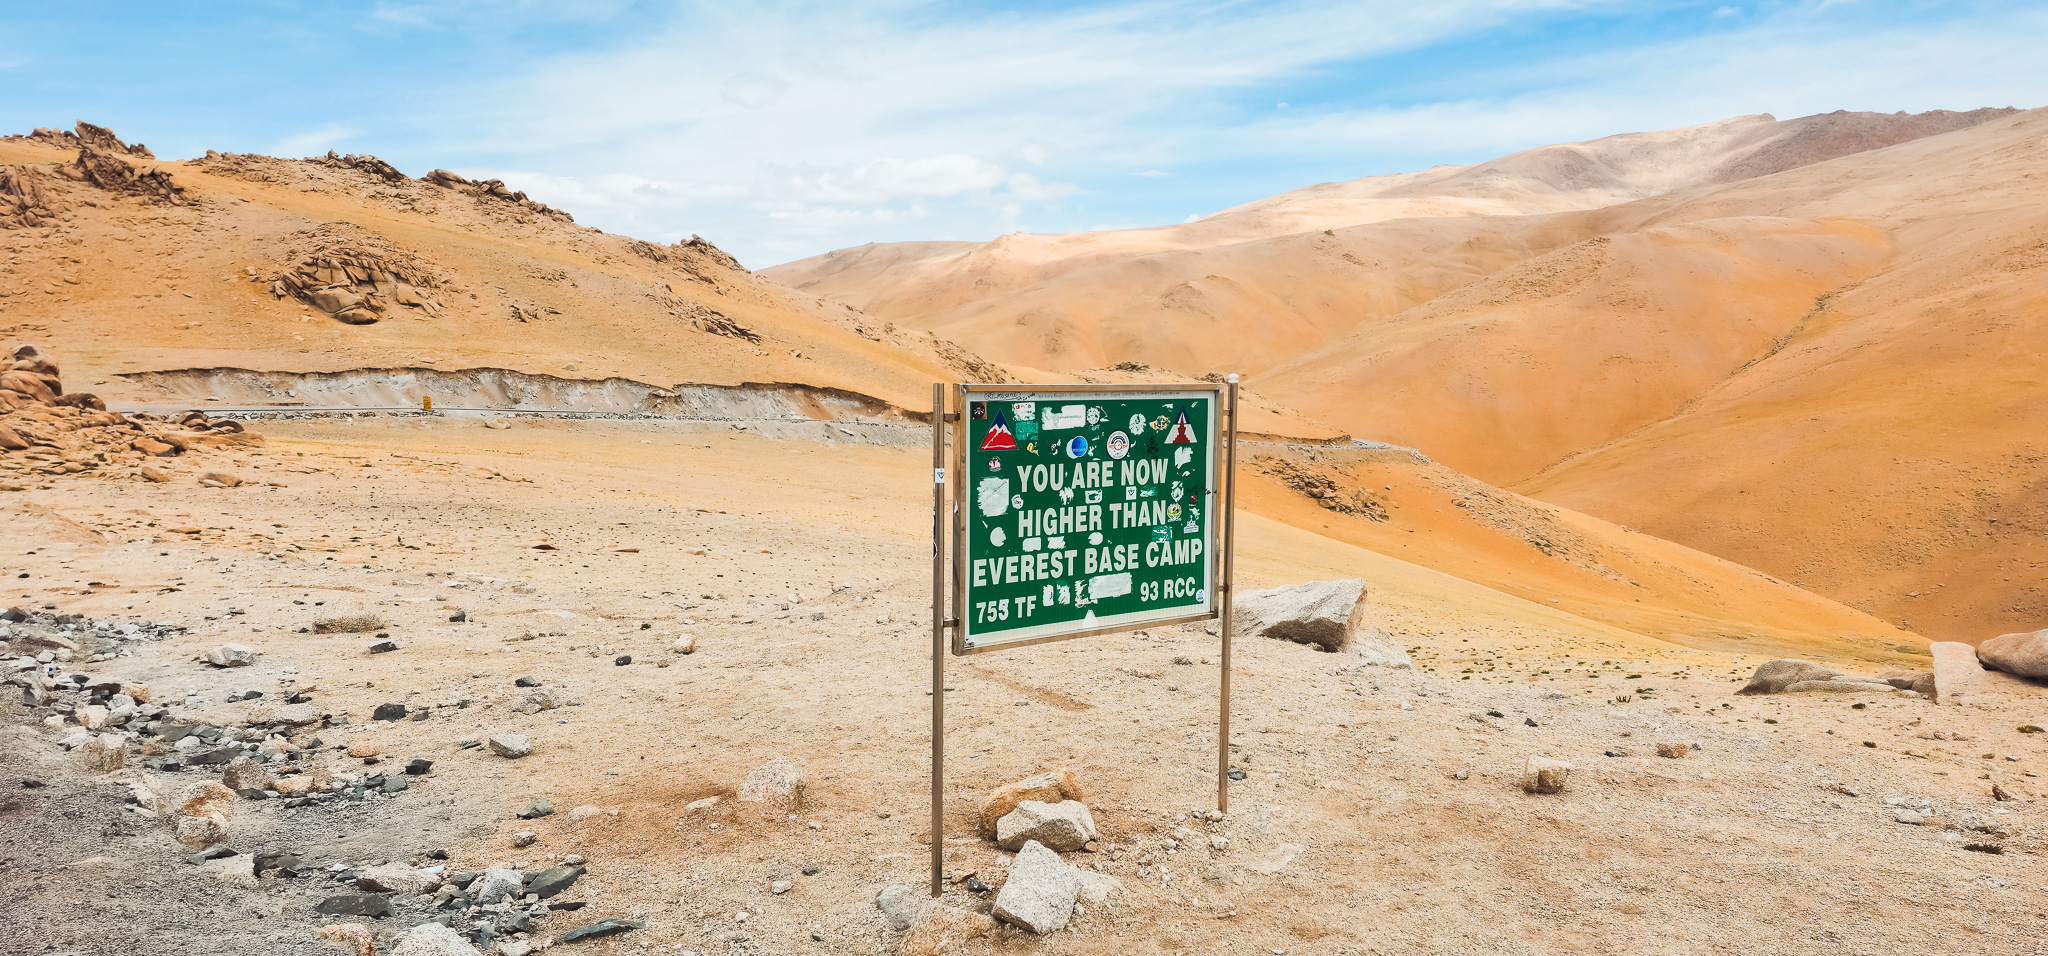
x=47 y=431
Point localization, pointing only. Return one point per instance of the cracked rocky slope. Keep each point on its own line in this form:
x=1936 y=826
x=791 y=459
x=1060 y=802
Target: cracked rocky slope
x=1381 y=810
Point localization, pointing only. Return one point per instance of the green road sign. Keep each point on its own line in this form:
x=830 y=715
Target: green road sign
x=1083 y=510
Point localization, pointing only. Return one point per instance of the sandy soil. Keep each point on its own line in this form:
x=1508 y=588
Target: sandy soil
x=797 y=562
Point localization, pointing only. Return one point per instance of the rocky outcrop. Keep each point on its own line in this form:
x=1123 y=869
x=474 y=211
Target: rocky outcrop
x=342 y=273
x=1774 y=676
x=45 y=430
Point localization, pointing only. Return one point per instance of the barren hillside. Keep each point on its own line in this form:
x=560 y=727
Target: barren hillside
x=1811 y=347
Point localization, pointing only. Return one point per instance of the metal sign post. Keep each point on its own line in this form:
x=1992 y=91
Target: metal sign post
x=1078 y=510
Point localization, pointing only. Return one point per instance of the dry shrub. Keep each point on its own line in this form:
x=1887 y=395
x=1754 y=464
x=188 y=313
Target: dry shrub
x=347 y=624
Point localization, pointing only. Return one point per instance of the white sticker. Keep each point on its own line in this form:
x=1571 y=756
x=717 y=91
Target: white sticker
x=1094 y=537
x=1066 y=594
x=1130 y=492
x=1024 y=410
x=996 y=537
x=994 y=494
x=1046 y=598
x=1109 y=585
x=1017 y=501
x=1094 y=496
x=1066 y=496
x=1068 y=416
x=938 y=476
x=1202 y=596
x=1183 y=455
x=1094 y=415
x=1058 y=542
x=1118 y=445
x=1031 y=544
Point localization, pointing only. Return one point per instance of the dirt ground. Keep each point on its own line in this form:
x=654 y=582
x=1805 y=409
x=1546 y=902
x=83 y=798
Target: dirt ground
x=1380 y=812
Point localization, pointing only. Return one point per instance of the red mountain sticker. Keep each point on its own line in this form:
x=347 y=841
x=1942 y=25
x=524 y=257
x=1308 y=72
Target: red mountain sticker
x=1182 y=433
x=999 y=437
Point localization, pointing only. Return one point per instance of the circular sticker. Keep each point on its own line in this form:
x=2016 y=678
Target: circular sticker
x=995 y=464
x=1077 y=446
x=1137 y=423
x=1094 y=415
x=1202 y=596
x=1119 y=445
x=1017 y=502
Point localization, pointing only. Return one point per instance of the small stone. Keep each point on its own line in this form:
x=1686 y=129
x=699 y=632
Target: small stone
x=536 y=808
x=231 y=655
x=1040 y=892
x=397 y=878
x=527 y=681
x=780 y=887
x=203 y=814
x=1543 y=775
x=1910 y=817
x=384 y=646
x=497 y=884
x=610 y=927
x=778 y=784
x=510 y=746
x=244 y=773
x=1063 y=827
x=1672 y=750
x=555 y=879
x=353 y=938
x=104 y=753
x=938 y=929
x=355 y=904
x=433 y=939
x=1052 y=786
x=899 y=904
x=622 y=660
x=524 y=839
x=458 y=617
x=393 y=712
x=418 y=766
x=687 y=644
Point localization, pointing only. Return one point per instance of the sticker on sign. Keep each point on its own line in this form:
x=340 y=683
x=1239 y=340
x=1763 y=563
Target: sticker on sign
x=1104 y=527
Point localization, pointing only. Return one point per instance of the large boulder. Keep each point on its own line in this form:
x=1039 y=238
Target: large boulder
x=1841 y=685
x=1040 y=891
x=2024 y=653
x=1324 y=614
x=1052 y=786
x=777 y=784
x=1774 y=676
x=1063 y=827
x=497 y=884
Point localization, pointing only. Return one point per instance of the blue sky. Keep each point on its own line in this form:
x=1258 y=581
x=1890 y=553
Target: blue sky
x=785 y=129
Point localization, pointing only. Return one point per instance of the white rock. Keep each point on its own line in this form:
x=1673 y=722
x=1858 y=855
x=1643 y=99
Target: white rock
x=497 y=884
x=433 y=939
x=1040 y=892
x=1326 y=614
x=1063 y=827
x=779 y=784
x=397 y=878
x=231 y=655
x=512 y=746
x=899 y=904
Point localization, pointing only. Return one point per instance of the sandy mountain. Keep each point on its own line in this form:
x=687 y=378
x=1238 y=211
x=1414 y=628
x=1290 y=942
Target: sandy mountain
x=1811 y=347
x=1016 y=279
x=124 y=264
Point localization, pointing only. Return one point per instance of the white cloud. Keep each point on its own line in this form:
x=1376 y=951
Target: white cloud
x=314 y=141
x=794 y=127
